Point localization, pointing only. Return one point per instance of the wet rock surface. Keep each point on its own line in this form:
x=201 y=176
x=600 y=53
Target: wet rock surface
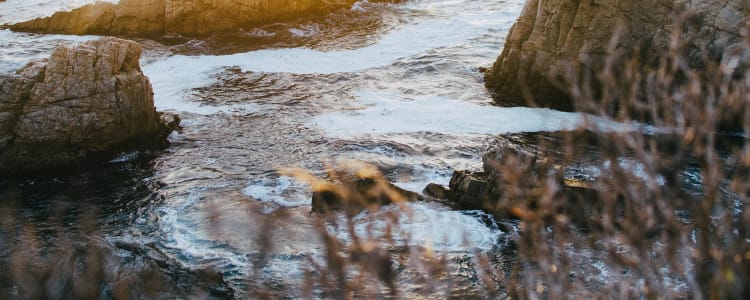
x=516 y=192
x=84 y=101
x=355 y=192
x=562 y=38
x=175 y=17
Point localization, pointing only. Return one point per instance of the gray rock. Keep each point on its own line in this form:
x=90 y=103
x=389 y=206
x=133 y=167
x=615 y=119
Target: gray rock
x=561 y=38
x=511 y=187
x=83 y=101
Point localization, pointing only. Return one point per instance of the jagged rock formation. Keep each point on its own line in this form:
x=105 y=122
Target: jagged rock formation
x=489 y=190
x=558 y=38
x=171 y=17
x=514 y=195
x=85 y=100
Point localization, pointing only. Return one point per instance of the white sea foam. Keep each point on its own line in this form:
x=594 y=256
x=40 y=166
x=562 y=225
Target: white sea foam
x=284 y=191
x=427 y=225
x=632 y=166
x=260 y=32
x=385 y=113
x=305 y=30
x=193 y=248
x=175 y=75
x=426 y=176
x=419 y=224
x=15 y=11
x=17 y=49
x=360 y=6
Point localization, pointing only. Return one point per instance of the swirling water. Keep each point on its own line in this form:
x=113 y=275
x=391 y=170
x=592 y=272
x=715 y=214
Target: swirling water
x=394 y=85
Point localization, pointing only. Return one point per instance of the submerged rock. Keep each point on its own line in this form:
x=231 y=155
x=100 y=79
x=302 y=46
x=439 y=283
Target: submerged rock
x=86 y=100
x=175 y=17
x=562 y=38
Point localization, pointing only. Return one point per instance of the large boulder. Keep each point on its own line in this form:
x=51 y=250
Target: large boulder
x=83 y=101
x=555 y=39
x=170 y=17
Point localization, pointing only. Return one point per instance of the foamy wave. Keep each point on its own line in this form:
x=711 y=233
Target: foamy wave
x=385 y=113
x=283 y=191
x=23 y=10
x=17 y=49
x=175 y=75
x=427 y=225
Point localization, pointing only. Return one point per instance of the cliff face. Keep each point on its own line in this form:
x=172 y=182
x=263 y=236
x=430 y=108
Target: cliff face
x=165 y=17
x=83 y=100
x=555 y=38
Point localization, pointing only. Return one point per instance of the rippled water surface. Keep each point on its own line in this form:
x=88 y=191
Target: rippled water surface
x=394 y=85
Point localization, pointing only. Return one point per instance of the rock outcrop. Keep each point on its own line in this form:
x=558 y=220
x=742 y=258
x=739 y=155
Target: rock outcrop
x=555 y=39
x=355 y=193
x=174 y=17
x=352 y=186
x=83 y=101
x=518 y=193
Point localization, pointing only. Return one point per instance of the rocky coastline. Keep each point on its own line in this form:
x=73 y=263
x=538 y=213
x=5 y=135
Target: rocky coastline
x=85 y=101
x=174 y=17
x=555 y=42
x=557 y=49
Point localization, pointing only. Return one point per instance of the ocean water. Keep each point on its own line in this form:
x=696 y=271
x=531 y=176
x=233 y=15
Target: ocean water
x=403 y=93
